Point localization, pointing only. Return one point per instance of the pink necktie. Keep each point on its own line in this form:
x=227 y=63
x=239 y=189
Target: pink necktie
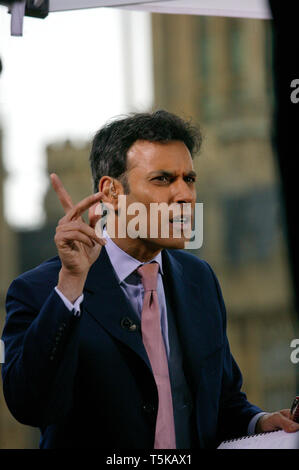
x=155 y=348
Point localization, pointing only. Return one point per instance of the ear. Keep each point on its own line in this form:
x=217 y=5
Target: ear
x=104 y=185
x=111 y=189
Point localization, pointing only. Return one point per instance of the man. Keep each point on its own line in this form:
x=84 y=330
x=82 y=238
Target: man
x=119 y=341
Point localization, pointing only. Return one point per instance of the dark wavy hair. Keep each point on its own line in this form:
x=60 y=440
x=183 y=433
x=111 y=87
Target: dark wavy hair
x=111 y=143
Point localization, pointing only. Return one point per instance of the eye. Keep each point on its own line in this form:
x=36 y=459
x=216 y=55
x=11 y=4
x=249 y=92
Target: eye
x=190 y=179
x=162 y=178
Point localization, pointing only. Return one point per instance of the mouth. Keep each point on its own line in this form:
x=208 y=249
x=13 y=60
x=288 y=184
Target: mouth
x=181 y=222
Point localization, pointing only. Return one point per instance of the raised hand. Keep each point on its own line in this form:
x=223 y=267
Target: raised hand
x=77 y=242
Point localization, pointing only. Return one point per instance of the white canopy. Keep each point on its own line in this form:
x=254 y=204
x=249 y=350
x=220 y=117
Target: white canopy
x=233 y=8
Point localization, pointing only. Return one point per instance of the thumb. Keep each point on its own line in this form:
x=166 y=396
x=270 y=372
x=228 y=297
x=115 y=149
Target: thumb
x=95 y=213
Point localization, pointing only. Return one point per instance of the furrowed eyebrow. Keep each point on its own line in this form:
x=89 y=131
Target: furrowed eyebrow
x=170 y=174
x=192 y=173
x=161 y=173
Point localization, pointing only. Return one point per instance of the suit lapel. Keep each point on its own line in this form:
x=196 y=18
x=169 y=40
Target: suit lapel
x=197 y=328
x=107 y=304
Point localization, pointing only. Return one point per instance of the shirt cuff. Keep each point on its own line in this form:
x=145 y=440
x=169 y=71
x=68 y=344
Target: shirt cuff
x=253 y=421
x=75 y=306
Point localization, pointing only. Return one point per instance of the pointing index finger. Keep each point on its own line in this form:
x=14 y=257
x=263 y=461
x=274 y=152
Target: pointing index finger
x=83 y=205
x=63 y=195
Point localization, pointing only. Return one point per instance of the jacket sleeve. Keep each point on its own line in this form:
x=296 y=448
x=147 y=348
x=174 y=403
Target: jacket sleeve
x=235 y=411
x=41 y=352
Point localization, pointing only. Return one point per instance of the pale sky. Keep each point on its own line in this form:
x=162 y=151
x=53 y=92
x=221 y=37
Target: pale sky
x=64 y=78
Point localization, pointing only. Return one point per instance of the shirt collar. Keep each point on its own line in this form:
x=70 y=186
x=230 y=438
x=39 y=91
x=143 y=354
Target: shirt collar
x=123 y=263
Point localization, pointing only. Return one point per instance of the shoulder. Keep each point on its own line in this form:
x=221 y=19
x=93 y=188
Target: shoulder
x=41 y=279
x=47 y=270
x=191 y=263
x=196 y=269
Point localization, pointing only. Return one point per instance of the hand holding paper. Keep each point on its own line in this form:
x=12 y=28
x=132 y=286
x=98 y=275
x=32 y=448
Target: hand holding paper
x=277 y=420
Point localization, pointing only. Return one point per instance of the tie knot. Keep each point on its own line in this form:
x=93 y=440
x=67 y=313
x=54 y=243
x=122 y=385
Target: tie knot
x=149 y=275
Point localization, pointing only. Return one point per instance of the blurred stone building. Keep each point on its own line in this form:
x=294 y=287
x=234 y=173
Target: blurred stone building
x=218 y=72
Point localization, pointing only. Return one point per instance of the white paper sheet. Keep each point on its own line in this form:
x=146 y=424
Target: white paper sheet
x=269 y=440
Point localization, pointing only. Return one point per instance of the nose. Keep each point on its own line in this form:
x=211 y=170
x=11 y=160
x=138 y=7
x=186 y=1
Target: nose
x=183 y=192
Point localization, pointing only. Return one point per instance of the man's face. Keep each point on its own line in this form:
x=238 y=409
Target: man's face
x=162 y=173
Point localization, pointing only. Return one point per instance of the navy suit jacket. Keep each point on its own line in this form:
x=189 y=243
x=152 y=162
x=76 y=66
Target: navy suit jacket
x=86 y=381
